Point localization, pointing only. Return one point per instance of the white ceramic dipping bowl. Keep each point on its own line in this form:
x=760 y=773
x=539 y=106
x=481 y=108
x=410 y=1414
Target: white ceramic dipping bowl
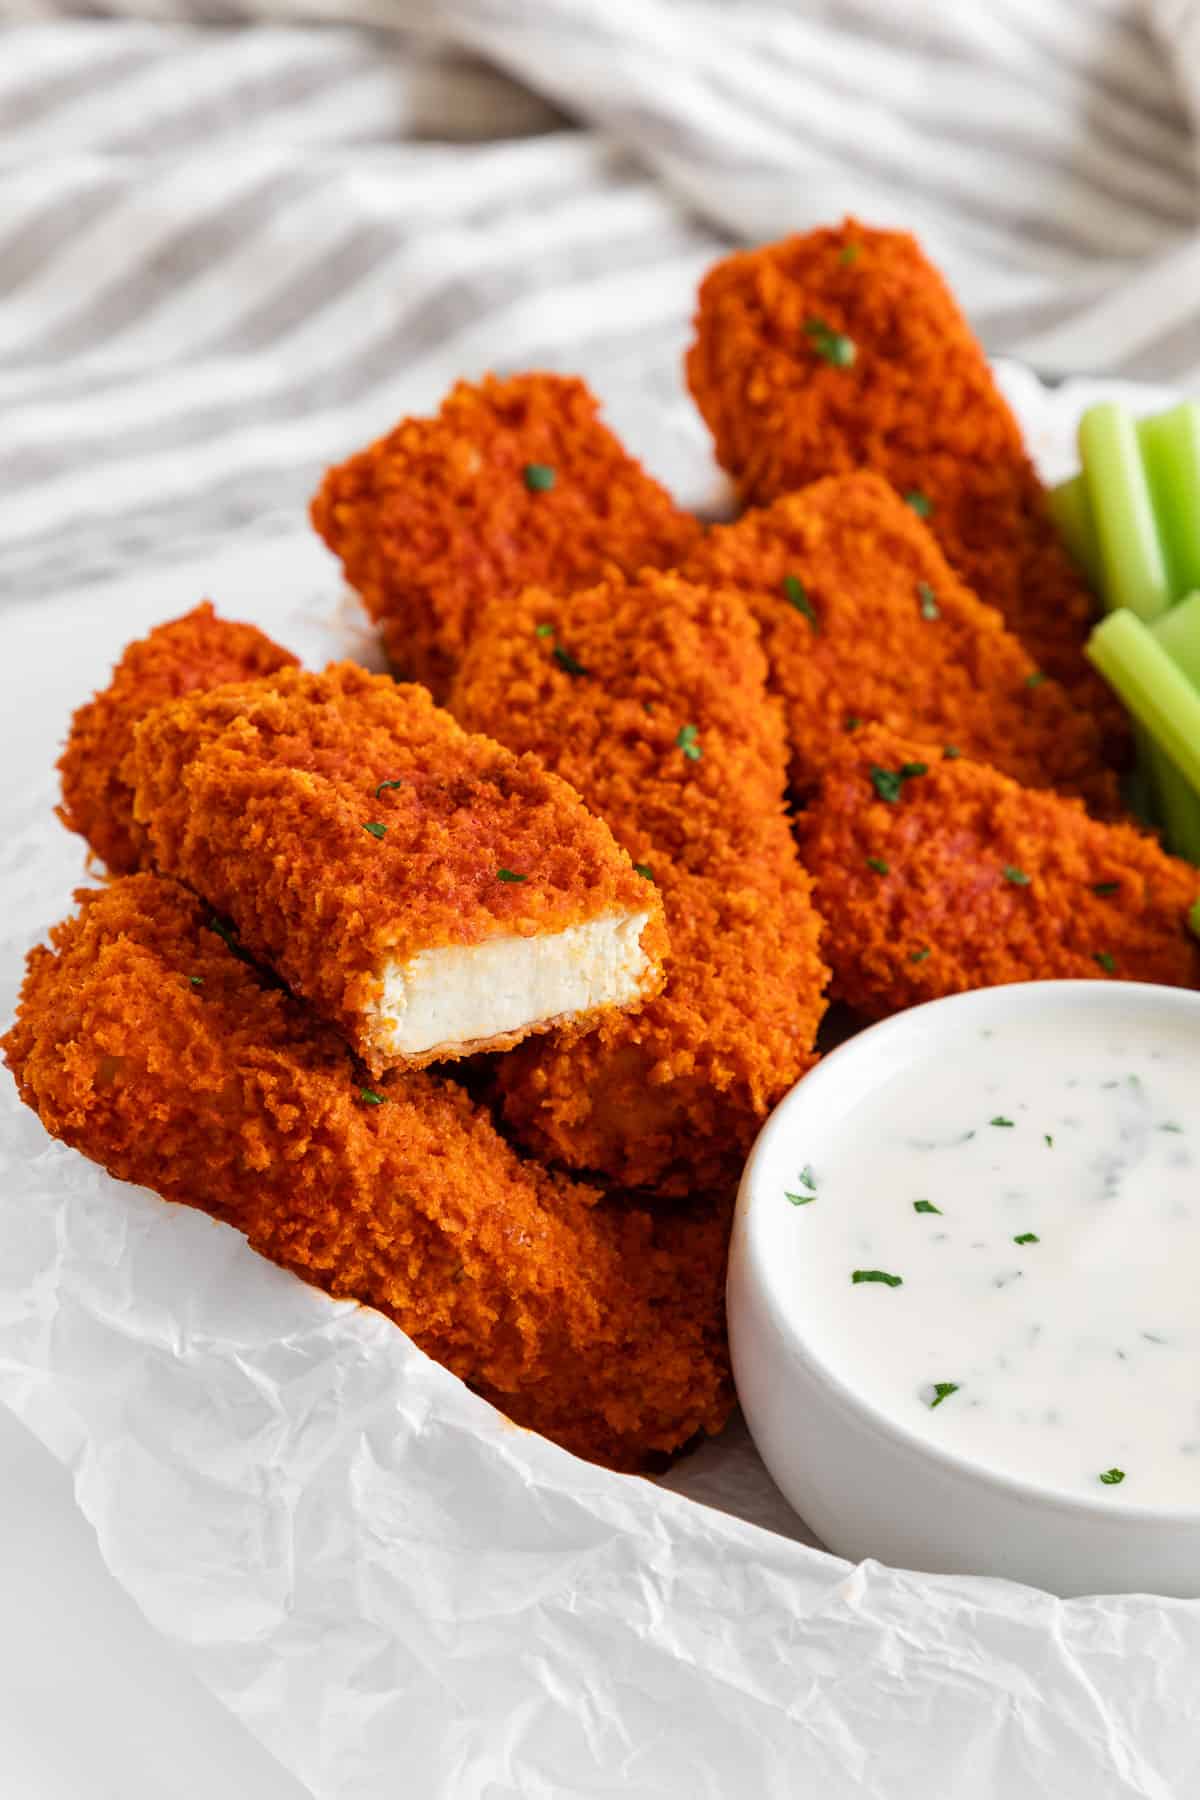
x=862 y=1480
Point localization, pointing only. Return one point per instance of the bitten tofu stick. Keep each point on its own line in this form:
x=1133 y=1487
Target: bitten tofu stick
x=428 y=892
x=513 y=482
x=843 y=349
x=143 y=1042
x=657 y=711
x=864 y=621
x=938 y=875
x=185 y=656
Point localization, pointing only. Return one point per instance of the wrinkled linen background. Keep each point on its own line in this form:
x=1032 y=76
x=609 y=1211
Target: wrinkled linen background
x=227 y=255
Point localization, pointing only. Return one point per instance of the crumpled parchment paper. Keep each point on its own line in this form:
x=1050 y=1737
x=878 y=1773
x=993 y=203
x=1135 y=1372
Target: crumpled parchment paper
x=397 y=1590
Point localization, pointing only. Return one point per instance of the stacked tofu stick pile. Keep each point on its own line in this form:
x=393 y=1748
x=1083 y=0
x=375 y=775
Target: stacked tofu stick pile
x=464 y=991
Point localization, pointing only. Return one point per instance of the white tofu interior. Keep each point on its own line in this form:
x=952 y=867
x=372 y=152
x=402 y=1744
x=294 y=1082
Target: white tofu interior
x=466 y=994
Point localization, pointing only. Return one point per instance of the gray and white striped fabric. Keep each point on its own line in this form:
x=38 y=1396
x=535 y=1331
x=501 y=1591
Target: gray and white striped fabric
x=237 y=241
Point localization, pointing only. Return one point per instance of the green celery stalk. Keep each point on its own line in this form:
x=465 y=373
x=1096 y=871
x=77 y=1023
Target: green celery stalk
x=1135 y=570
x=1071 y=511
x=1176 y=807
x=1178 y=633
x=1170 y=446
x=1158 y=694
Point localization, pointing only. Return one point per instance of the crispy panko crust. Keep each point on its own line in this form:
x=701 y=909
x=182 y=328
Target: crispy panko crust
x=259 y=796
x=143 y=1042
x=967 y=880
x=919 y=404
x=671 y=1098
x=437 y=517
x=881 y=630
x=189 y=654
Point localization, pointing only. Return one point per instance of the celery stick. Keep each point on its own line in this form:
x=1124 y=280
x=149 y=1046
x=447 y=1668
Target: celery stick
x=1176 y=807
x=1159 y=695
x=1170 y=446
x=1072 y=513
x=1178 y=632
x=1135 y=573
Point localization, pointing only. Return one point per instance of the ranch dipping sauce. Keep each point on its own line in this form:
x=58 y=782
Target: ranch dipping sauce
x=999 y=1249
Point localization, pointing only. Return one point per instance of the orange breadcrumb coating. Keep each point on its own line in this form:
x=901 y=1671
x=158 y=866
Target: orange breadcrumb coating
x=894 y=637
x=142 y=1041
x=259 y=796
x=436 y=518
x=194 y=652
x=967 y=880
x=670 y=736
x=918 y=403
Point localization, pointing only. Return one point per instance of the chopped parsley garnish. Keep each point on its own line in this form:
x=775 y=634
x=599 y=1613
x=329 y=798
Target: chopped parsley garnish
x=1106 y=887
x=1027 y=1237
x=1018 y=877
x=807 y=1178
x=877 y=1275
x=926 y=1206
x=226 y=936
x=1049 y=1141
x=1106 y=961
x=999 y=1120
x=916 y=956
x=852 y=724
x=385 y=785
x=929 y=606
x=1170 y=1127
x=888 y=783
x=833 y=347
x=921 y=504
x=1113 y=1477
x=686 y=740
x=877 y=863
x=369 y=1097
x=509 y=875
x=544 y=630
x=645 y=871
x=942 y=1390
x=196 y=980
x=951 y=752
x=799 y=1199
x=849 y=255
x=566 y=661
x=797 y=596
x=375 y=828
x=1035 y=680
x=539 y=477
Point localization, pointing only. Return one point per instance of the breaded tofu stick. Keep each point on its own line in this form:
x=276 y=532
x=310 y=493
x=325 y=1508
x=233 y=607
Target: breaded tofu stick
x=144 y=1043
x=862 y=619
x=650 y=697
x=430 y=893
x=938 y=875
x=187 y=655
x=515 y=481
x=843 y=349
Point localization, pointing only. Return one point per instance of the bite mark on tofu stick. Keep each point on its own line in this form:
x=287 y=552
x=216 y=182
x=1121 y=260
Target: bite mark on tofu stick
x=427 y=891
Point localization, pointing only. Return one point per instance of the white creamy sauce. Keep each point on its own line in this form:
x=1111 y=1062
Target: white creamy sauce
x=1071 y=1355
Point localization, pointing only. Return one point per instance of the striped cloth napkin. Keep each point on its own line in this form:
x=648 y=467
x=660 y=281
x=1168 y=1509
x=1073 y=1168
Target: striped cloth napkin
x=237 y=241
